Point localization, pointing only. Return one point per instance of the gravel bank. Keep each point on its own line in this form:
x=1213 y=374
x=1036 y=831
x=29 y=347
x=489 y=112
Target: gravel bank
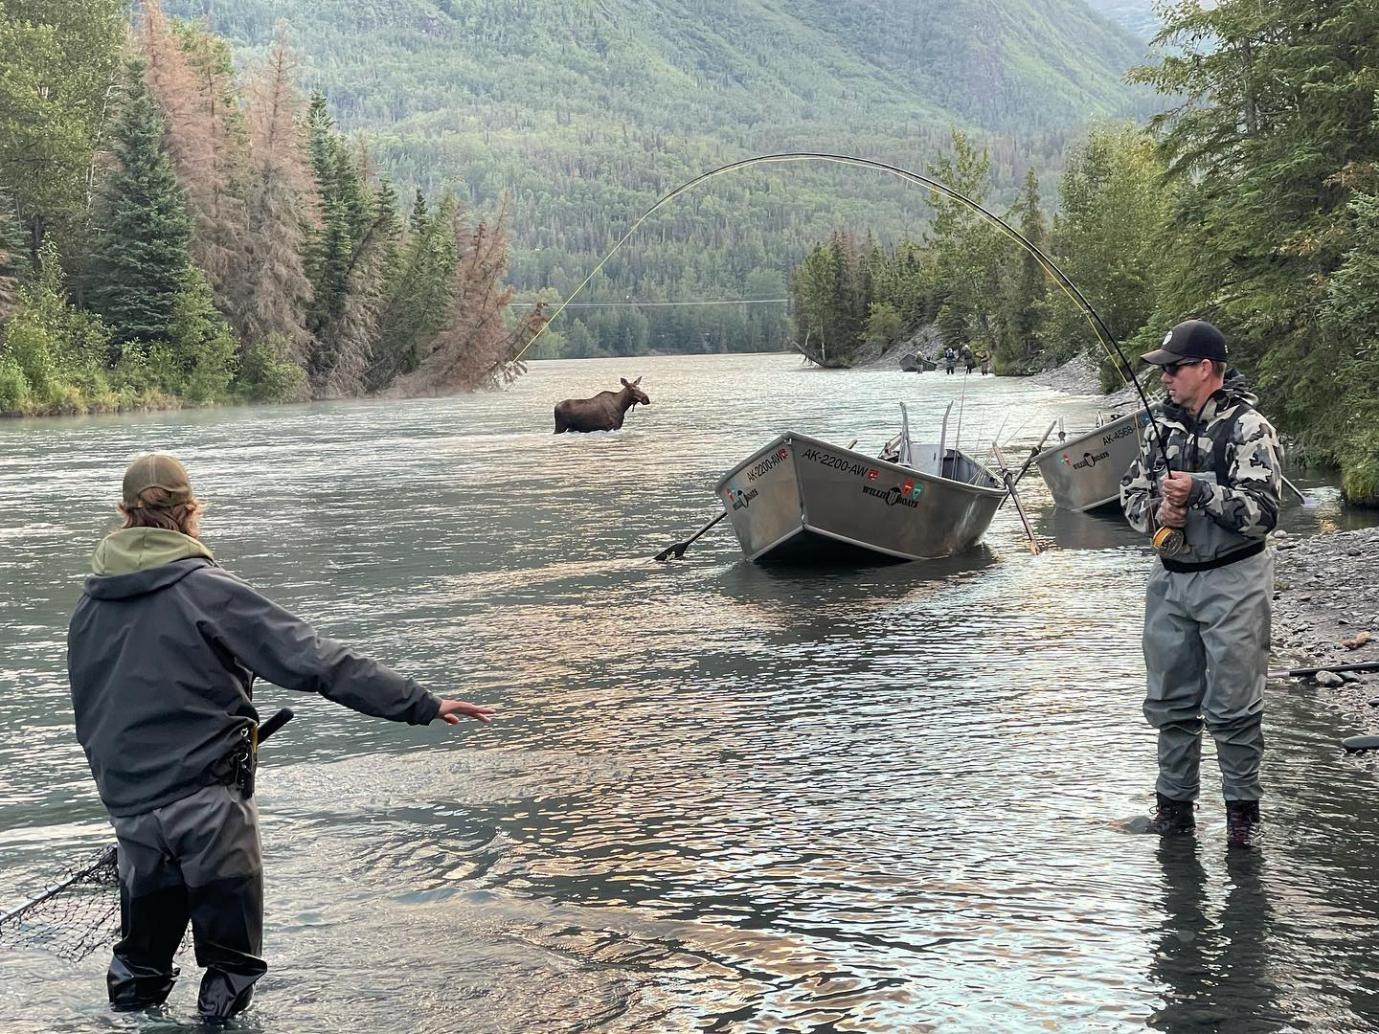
x=1326 y=611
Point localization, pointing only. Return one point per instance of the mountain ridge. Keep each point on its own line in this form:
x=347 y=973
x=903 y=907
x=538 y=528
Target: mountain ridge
x=583 y=112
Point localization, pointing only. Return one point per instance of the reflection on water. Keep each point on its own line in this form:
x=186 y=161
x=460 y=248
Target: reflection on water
x=720 y=796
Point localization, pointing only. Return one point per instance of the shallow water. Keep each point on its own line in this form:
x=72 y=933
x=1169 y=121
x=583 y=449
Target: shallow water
x=720 y=796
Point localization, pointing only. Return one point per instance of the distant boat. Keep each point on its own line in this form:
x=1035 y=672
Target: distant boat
x=912 y=363
x=1083 y=473
x=800 y=499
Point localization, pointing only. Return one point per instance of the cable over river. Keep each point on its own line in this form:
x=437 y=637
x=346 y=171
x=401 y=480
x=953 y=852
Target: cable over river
x=717 y=796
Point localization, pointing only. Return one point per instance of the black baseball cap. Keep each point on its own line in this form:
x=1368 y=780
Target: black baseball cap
x=1191 y=339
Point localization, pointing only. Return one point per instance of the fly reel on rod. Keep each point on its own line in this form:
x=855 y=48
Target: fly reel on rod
x=1169 y=542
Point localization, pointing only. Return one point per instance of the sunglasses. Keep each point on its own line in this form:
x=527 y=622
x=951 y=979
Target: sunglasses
x=1171 y=369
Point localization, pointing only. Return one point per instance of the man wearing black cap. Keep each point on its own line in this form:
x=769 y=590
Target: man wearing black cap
x=1210 y=504
x=162 y=653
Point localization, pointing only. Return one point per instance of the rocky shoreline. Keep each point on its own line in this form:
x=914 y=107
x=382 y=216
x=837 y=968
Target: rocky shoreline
x=1326 y=611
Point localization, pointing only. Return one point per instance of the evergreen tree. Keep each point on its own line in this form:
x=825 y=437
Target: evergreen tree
x=1024 y=288
x=477 y=345
x=199 y=358
x=191 y=75
x=1352 y=310
x=336 y=259
x=141 y=253
x=417 y=296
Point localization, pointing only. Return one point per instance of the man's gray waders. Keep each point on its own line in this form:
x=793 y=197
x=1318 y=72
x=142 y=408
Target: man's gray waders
x=195 y=859
x=1206 y=649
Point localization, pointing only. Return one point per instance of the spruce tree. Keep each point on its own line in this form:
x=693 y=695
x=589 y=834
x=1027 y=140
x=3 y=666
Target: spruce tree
x=417 y=296
x=141 y=249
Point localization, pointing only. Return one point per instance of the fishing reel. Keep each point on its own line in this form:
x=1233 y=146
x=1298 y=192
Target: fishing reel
x=1169 y=542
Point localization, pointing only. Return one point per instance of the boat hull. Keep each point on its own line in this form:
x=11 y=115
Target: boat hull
x=1084 y=473
x=800 y=499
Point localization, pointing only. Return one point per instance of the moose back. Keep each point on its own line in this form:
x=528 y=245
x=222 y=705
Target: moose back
x=604 y=412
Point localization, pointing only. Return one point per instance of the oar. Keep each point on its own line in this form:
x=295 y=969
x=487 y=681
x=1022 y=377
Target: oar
x=1015 y=498
x=1303 y=673
x=1030 y=459
x=678 y=550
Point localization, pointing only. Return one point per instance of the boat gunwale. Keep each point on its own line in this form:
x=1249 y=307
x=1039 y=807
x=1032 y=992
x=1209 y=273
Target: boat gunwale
x=788 y=437
x=1065 y=445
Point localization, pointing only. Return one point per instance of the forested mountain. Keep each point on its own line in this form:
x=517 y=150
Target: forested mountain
x=585 y=111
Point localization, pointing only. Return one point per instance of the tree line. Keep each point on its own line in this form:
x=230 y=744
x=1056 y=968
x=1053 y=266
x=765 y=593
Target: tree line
x=1252 y=201
x=173 y=231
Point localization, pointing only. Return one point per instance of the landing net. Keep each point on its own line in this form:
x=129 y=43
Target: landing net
x=74 y=917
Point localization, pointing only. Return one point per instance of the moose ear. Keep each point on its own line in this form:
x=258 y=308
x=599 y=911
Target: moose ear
x=637 y=381
x=624 y=381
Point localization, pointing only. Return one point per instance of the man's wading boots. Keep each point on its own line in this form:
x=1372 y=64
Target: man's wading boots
x=1171 y=816
x=1242 y=824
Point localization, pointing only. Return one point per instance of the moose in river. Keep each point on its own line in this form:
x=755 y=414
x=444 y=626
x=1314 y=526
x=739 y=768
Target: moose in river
x=604 y=412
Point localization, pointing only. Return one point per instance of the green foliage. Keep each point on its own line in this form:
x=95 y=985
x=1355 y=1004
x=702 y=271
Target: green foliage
x=1352 y=308
x=1021 y=312
x=141 y=253
x=58 y=61
x=14 y=386
x=268 y=373
x=198 y=360
x=1272 y=137
x=11 y=252
x=416 y=293
x=883 y=323
x=1110 y=238
x=53 y=356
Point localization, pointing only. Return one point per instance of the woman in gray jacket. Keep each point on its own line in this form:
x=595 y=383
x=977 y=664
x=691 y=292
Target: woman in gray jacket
x=162 y=653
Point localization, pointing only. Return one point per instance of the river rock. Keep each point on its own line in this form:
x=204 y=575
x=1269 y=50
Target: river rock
x=1328 y=678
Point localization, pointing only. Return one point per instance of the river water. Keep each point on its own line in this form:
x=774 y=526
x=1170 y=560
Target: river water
x=719 y=796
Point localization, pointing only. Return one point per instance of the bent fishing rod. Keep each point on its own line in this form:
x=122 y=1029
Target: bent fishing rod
x=1103 y=333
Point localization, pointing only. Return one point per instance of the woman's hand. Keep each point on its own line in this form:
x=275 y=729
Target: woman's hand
x=452 y=710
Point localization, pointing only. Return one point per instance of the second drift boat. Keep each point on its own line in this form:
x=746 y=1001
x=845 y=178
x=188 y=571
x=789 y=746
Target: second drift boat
x=801 y=499
x=1084 y=473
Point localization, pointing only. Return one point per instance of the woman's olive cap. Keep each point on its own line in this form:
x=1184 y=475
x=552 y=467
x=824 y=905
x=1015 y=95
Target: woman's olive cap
x=156 y=470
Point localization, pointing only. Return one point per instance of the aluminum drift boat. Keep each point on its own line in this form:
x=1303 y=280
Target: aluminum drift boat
x=800 y=499
x=1084 y=473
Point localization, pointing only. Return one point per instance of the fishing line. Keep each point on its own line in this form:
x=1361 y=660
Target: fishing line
x=1051 y=269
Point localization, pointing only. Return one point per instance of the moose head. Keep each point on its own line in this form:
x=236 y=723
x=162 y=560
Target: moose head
x=637 y=394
